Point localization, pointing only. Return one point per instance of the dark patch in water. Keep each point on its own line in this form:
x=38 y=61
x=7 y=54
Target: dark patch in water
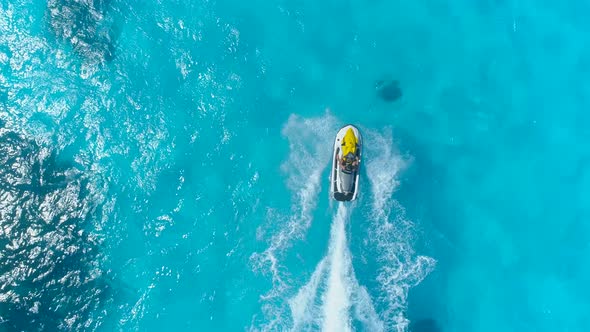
x=86 y=25
x=388 y=90
x=3 y=99
x=50 y=278
x=424 y=325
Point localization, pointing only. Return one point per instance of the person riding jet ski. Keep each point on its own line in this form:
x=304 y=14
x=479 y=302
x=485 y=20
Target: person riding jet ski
x=349 y=162
x=346 y=164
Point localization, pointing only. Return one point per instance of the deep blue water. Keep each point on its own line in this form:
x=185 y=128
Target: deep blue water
x=164 y=165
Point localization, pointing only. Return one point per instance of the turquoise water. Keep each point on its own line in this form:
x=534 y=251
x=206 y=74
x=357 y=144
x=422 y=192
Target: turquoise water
x=164 y=166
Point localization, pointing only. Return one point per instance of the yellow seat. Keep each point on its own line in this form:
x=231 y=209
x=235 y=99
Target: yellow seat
x=349 y=142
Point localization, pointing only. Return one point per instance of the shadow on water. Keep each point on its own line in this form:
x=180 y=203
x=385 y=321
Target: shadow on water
x=50 y=278
x=425 y=325
x=388 y=90
x=88 y=25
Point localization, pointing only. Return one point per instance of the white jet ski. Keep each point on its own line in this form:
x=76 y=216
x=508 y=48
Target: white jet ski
x=346 y=162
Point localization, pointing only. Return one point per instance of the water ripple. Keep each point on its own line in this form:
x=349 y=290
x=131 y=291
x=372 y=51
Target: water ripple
x=50 y=276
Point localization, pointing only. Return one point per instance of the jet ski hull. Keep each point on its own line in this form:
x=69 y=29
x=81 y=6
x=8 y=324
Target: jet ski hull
x=344 y=182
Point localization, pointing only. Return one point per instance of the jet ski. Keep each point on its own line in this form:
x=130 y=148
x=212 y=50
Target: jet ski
x=346 y=160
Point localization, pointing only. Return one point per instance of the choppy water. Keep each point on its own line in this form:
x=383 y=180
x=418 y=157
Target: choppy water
x=164 y=166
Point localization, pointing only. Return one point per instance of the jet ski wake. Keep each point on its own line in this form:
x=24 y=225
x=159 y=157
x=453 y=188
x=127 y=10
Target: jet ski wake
x=333 y=298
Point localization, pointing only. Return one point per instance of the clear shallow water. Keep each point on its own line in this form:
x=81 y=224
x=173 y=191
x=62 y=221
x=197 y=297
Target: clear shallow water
x=164 y=166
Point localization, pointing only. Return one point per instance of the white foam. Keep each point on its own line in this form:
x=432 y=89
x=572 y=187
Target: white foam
x=364 y=311
x=332 y=299
x=343 y=299
x=303 y=305
x=337 y=298
x=309 y=154
x=383 y=166
x=308 y=157
x=391 y=231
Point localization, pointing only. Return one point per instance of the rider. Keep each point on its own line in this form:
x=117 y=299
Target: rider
x=349 y=162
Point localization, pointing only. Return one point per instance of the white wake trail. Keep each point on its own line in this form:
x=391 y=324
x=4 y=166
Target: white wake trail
x=304 y=305
x=391 y=232
x=308 y=158
x=332 y=299
x=342 y=299
x=338 y=295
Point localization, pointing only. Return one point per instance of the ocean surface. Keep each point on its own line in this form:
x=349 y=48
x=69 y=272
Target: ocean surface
x=164 y=165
